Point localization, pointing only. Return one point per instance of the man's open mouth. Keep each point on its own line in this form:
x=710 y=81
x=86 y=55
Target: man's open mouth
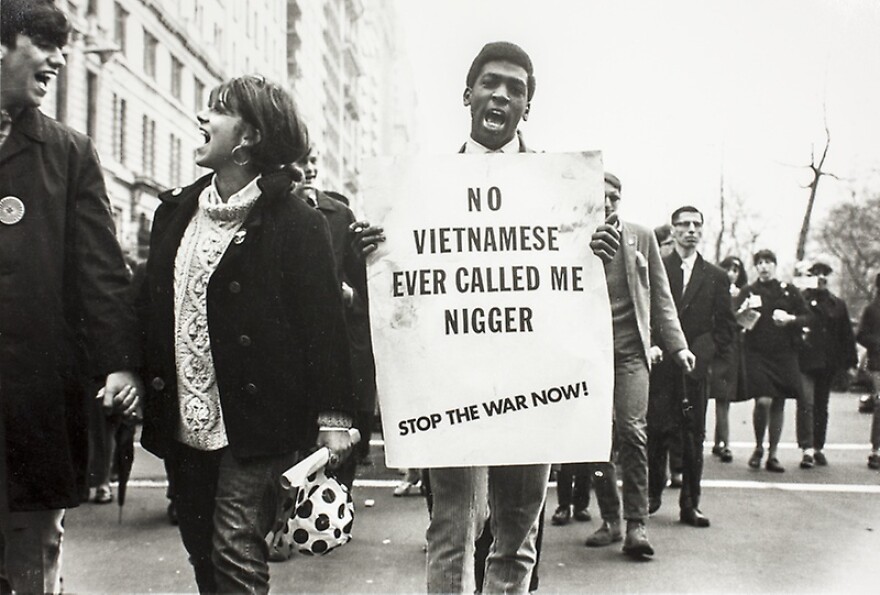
x=495 y=119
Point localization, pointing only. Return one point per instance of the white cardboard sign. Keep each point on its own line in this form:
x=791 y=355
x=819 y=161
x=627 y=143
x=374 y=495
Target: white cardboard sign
x=490 y=316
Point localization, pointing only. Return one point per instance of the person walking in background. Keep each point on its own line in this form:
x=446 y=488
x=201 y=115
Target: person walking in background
x=246 y=346
x=663 y=233
x=868 y=337
x=677 y=408
x=727 y=375
x=641 y=302
x=572 y=491
x=771 y=350
x=352 y=273
x=829 y=349
x=64 y=313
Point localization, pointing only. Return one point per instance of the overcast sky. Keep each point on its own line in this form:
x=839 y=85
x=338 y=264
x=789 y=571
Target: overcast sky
x=674 y=91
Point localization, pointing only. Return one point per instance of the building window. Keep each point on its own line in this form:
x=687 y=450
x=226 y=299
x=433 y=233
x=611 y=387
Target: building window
x=150 y=44
x=119 y=124
x=176 y=155
x=176 y=77
x=120 y=23
x=92 y=8
x=198 y=95
x=149 y=147
x=92 y=105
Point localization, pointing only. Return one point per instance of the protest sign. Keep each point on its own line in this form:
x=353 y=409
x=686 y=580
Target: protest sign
x=490 y=316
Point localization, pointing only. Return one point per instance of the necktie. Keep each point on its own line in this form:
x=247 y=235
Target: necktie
x=5 y=125
x=685 y=276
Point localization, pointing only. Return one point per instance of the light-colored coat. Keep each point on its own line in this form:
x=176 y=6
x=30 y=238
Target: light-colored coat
x=649 y=289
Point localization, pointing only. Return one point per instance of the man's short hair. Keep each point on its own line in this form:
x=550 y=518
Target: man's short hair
x=663 y=233
x=35 y=18
x=610 y=178
x=685 y=209
x=764 y=255
x=506 y=52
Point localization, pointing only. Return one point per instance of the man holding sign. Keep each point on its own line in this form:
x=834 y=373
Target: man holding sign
x=499 y=89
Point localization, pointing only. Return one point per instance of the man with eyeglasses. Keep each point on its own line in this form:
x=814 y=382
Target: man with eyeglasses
x=677 y=409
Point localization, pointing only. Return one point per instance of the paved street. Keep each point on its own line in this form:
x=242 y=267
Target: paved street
x=814 y=531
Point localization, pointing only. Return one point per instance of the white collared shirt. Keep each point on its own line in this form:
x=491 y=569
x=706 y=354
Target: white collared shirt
x=472 y=146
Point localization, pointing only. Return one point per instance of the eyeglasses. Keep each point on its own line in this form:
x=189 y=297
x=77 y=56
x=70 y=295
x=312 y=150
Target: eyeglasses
x=687 y=224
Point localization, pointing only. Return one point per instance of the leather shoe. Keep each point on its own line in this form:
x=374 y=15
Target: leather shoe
x=726 y=455
x=636 y=544
x=716 y=450
x=607 y=534
x=807 y=461
x=874 y=461
x=582 y=515
x=653 y=505
x=755 y=459
x=693 y=517
x=562 y=516
x=774 y=465
x=820 y=458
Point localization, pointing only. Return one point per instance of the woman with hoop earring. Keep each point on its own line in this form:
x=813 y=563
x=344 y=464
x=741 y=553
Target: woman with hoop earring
x=246 y=351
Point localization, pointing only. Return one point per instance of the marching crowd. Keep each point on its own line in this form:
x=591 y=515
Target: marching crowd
x=244 y=339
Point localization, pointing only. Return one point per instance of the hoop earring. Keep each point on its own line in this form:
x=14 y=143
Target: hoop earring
x=236 y=161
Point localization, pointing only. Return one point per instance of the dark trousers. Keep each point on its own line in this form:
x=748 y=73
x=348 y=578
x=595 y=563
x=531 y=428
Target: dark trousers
x=822 y=380
x=573 y=485
x=668 y=421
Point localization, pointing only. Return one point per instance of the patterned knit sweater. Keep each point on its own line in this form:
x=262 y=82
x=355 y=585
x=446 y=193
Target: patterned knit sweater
x=204 y=242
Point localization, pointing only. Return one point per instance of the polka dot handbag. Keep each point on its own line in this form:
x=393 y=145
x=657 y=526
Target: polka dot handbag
x=315 y=513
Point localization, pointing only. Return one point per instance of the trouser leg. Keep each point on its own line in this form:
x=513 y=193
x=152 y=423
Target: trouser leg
x=30 y=551
x=692 y=435
x=630 y=411
x=194 y=474
x=459 y=512
x=245 y=504
x=821 y=398
x=804 y=415
x=516 y=498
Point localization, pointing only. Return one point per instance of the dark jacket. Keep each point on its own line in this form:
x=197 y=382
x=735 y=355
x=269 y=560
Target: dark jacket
x=275 y=319
x=704 y=310
x=829 y=343
x=869 y=333
x=352 y=269
x=63 y=283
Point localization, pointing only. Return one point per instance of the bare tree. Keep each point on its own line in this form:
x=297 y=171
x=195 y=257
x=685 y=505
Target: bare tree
x=818 y=172
x=738 y=229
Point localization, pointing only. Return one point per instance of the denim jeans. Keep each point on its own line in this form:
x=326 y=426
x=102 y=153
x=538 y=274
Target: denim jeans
x=630 y=427
x=463 y=497
x=225 y=507
x=30 y=551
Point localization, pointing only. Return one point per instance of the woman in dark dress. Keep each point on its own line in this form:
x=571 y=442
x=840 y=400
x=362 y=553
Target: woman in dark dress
x=771 y=353
x=728 y=381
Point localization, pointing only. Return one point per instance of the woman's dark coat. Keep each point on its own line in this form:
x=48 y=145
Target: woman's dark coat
x=275 y=318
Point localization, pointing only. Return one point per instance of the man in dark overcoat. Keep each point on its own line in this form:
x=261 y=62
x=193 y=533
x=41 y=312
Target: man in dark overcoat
x=828 y=349
x=678 y=402
x=63 y=286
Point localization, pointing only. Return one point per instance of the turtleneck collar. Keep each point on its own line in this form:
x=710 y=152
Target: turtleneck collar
x=238 y=205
